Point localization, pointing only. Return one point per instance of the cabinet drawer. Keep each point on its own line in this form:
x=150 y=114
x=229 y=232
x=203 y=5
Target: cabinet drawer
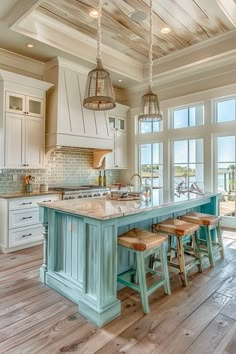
x=25 y=203
x=20 y=218
x=25 y=235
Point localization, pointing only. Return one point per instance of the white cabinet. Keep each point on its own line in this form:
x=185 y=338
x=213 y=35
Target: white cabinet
x=22 y=104
x=24 y=145
x=19 y=219
x=117 y=159
x=22 y=121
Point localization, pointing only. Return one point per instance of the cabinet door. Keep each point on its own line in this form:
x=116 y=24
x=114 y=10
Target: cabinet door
x=34 y=106
x=121 y=149
x=34 y=142
x=121 y=124
x=15 y=103
x=14 y=147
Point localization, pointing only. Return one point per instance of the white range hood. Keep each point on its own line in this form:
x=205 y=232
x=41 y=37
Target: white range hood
x=68 y=124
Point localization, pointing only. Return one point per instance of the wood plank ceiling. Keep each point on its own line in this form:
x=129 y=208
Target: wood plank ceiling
x=190 y=21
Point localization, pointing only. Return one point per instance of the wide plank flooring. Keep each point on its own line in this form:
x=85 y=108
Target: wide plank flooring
x=194 y=320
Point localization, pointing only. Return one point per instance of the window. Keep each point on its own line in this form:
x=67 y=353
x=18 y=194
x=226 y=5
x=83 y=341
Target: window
x=151 y=166
x=225 y=110
x=226 y=170
x=188 y=167
x=187 y=117
x=149 y=127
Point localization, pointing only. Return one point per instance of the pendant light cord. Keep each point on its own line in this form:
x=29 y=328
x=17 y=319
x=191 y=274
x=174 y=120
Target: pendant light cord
x=150 y=47
x=99 y=50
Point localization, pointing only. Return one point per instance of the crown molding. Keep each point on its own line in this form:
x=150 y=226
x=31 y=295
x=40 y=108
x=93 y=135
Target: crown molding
x=23 y=64
x=189 y=70
x=13 y=77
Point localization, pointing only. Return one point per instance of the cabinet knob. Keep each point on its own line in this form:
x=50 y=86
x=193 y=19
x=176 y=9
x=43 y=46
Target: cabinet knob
x=26 y=203
x=27 y=217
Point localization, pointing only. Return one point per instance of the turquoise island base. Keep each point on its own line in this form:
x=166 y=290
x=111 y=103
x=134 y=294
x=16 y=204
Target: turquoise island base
x=81 y=260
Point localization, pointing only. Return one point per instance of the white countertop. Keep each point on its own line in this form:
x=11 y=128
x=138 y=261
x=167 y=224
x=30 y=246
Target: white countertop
x=25 y=194
x=102 y=208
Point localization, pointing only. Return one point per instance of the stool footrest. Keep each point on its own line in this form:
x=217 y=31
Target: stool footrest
x=131 y=285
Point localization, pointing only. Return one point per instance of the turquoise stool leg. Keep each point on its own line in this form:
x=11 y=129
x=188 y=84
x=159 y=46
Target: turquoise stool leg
x=142 y=281
x=209 y=245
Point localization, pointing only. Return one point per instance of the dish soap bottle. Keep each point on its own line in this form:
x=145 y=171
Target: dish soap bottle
x=100 y=179
x=104 y=179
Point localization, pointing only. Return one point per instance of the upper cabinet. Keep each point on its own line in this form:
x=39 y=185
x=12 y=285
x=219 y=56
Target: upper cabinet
x=117 y=119
x=22 y=121
x=68 y=122
x=22 y=104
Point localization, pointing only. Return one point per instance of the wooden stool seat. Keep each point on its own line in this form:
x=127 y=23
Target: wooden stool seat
x=176 y=227
x=208 y=222
x=201 y=219
x=141 y=240
x=187 y=242
x=143 y=244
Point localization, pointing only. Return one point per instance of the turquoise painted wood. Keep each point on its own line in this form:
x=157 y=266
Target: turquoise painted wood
x=141 y=269
x=81 y=260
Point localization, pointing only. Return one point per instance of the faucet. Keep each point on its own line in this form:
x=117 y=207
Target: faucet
x=140 y=180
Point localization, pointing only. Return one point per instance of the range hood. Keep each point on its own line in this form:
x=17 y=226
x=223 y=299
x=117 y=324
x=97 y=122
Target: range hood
x=68 y=124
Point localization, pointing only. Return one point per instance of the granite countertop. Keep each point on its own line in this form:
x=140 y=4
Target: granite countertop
x=25 y=194
x=102 y=208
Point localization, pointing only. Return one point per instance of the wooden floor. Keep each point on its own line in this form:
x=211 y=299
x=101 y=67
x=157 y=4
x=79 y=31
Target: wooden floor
x=198 y=319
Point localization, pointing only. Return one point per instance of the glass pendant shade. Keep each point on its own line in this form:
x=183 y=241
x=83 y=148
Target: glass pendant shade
x=150 y=108
x=99 y=95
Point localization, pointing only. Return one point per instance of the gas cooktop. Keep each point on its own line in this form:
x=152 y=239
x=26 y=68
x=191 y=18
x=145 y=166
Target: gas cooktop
x=76 y=188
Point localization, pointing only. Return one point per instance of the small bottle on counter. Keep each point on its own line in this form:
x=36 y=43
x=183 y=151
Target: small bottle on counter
x=100 y=179
x=104 y=179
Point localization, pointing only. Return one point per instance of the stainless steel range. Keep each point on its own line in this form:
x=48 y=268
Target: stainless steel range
x=81 y=191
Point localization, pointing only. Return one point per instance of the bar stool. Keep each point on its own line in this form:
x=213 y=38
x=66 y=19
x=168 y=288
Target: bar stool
x=186 y=242
x=143 y=244
x=208 y=222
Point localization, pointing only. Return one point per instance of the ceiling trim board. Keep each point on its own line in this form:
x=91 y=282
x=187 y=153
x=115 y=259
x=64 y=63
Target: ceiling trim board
x=198 y=46
x=21 y=10
x=41 y=27
x=190 y=69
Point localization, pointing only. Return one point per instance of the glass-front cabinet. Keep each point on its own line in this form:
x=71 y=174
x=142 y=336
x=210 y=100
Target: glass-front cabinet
x=22 y=104
x=117 y=123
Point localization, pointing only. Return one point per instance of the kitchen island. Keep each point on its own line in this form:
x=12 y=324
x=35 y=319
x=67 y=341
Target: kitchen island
x=81 y=260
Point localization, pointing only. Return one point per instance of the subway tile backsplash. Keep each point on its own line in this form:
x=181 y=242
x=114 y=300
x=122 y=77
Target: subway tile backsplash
x=63 y=168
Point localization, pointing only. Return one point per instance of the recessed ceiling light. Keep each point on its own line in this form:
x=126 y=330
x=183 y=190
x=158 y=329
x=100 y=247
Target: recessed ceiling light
x=93 y=13
x=119 y=80
x=29 y=45
x=165 y=30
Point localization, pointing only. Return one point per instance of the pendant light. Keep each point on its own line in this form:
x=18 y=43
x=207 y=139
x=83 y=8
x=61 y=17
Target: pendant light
x=99 y=95
x=150 y=107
